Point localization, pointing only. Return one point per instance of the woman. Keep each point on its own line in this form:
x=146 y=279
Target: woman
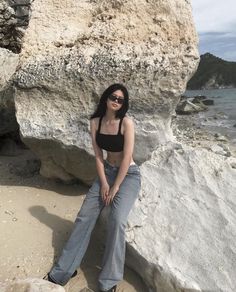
x=118 y=184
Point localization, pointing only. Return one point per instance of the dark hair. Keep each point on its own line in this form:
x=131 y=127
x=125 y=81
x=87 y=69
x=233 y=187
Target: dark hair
x=102 y=106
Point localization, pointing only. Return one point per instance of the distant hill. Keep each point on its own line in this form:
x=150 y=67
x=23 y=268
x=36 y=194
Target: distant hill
x=213 y=72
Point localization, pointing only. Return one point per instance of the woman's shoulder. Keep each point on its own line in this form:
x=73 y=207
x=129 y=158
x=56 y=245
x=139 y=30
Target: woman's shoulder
x=128 y=122
x=94 y=122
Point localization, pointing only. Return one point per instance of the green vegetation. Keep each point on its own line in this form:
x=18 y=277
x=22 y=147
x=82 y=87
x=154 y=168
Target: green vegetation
x=213 y=72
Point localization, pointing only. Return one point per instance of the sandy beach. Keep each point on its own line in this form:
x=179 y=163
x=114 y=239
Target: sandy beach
x=36 y=218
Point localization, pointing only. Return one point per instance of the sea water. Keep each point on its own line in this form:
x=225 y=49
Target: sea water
x=220 y=117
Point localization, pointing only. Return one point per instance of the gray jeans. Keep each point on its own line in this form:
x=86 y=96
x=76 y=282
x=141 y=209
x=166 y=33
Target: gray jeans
x=114 y=254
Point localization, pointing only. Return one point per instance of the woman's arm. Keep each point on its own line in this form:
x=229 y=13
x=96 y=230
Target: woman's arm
x=99 y=160
x=127 y=156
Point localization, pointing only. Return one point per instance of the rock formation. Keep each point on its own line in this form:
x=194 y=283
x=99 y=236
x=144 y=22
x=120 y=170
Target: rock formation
x=31 y=285
x=186 y=107
x=73 y=50
x=13 y=22
x=182 y=229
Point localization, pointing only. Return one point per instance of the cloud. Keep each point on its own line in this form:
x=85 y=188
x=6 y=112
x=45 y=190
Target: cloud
x=212 y=15
x=220 y=44
x=216 y=24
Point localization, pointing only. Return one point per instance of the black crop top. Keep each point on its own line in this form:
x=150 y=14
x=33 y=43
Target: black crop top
x=110 y=142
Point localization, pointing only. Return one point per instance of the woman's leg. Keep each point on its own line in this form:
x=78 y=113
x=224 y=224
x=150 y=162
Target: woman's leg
x=114 y=255
x=77 y=244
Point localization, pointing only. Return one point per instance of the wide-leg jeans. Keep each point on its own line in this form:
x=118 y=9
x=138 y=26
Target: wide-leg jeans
x=114 y=254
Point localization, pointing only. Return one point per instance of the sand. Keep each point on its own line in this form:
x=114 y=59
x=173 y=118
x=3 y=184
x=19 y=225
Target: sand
x=36 y=218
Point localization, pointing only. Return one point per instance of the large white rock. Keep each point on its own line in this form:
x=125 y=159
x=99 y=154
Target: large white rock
x=31 y=285
x=182 y=231
x=73 y=50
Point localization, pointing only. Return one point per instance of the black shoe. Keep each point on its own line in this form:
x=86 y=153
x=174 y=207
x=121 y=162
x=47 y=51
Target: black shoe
x=47 y=277
x=113 y=289
x=74 y=274
x=51 y=280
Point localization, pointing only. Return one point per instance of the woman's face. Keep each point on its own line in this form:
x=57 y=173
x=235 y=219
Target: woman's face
x=115 y=100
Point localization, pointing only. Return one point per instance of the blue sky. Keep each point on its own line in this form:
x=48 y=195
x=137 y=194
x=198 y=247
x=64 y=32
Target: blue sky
x=215 y=22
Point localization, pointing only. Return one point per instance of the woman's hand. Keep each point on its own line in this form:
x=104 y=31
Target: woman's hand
x=113 y=190
x=104 y=191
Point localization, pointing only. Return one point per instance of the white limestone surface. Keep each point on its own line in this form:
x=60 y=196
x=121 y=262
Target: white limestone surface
x=182 y=231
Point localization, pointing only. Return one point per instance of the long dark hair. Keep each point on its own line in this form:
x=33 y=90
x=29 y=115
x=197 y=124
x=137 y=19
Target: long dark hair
x=102 y=106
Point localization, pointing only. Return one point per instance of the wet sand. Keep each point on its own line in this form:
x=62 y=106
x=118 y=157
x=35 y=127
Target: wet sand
x=36 y=218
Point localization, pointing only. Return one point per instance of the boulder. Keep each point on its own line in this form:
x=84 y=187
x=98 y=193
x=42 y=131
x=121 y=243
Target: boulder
x=202 y=100
x=208 y=101
x=181 y=232
x=187 y=107
x=32 y=285
x=73 y=51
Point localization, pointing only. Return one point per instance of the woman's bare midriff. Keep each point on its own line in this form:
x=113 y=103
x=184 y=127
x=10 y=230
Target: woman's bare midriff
x=115 y=158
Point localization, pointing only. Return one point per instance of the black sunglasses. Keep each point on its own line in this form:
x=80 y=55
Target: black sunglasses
x=114 y=98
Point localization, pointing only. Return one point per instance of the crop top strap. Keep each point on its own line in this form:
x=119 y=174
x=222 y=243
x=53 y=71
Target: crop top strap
x=119 y=131
x=99 y=125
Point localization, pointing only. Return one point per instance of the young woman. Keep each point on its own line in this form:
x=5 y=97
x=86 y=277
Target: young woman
x=118 y=184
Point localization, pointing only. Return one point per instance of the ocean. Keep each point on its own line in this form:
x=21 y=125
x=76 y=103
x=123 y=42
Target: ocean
x=220 y=117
